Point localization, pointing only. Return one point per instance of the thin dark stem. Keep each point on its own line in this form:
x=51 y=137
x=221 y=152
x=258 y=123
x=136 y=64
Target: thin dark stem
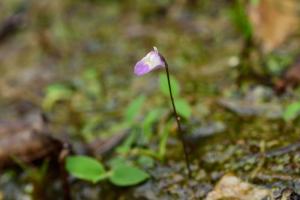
x=186 y=156
x=63 y=173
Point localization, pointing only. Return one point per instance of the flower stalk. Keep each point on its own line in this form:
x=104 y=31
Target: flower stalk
x=177 y=118
x=154 y=60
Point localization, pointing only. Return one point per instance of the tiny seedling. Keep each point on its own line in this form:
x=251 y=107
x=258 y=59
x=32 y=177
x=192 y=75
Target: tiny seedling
x=90 y=169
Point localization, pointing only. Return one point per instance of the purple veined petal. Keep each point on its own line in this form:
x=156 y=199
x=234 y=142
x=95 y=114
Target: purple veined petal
x=153 y=60
x=141 y=68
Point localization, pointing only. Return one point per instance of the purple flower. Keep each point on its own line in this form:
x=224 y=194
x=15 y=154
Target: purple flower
x=153 y=60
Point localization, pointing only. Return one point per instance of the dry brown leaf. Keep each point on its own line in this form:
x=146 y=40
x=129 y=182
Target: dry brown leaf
x=290 y=79
x=273 y=21
x=25 y=141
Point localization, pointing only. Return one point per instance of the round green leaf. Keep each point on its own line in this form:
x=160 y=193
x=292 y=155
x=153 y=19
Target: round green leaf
x=55 y=93
x=127 y=175
x=148 y=122
x=164 y=87
x=134 y=107
x=183 y=108
x=85 y=168
x=292 y=111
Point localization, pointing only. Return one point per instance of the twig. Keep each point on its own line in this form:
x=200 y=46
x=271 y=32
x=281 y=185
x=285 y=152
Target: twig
x=272 y=153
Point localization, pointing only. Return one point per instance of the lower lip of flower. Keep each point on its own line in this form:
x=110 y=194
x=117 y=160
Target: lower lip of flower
x=141 y=68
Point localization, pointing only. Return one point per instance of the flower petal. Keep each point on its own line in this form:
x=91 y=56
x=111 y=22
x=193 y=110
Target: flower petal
x=141 y=68
x=151 y=61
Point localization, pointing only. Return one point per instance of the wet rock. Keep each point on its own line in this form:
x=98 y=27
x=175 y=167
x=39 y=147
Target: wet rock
x=148 y=191
x=286 y=194
x=246 y=108
x=12 y=187
x=260 y=93
x=172 y=183
x=205 y=131
x=256 y=101
x=231 y=187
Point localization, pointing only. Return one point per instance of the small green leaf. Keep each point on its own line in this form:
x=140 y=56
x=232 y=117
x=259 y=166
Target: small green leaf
x=133 y=108
x=148 y=122
x=127 y=176
x=85 y=168
x=163 y=142
x=91 y=84
x=151 y=117
x=54 y=93
x=254 y=2
x=183 y=108
x=126 y=145
x=240 y=19
x=164 y=87
x=146 y=161
x=292 y=111
x=117 y=161
x=90 y=74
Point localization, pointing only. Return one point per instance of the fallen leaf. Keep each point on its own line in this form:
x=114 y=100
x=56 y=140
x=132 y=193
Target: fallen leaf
x=273 y=21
